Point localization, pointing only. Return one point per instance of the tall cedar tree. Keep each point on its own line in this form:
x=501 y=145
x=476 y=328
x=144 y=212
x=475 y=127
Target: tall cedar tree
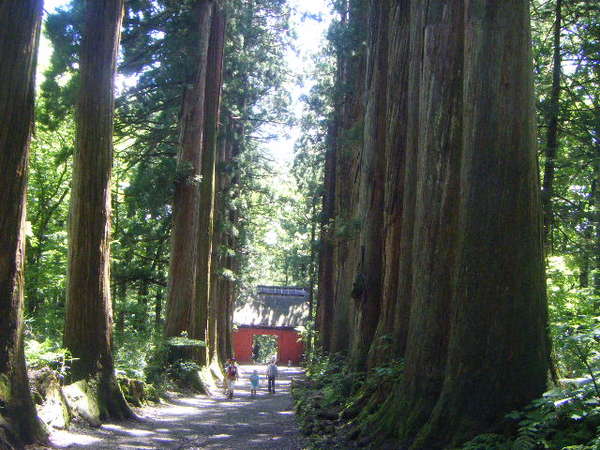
x=19 y=34
x=181 y=307
x=206 y=324
x=336 y=310
x=467 y=304
x=88 y=322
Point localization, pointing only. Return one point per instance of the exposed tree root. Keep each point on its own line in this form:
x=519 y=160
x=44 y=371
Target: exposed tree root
x=98 y=399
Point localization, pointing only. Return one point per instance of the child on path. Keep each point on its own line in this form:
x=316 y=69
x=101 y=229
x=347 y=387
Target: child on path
x=254 y=383
x=271 y=375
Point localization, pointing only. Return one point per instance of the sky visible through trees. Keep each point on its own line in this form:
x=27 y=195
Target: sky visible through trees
x=428 y=171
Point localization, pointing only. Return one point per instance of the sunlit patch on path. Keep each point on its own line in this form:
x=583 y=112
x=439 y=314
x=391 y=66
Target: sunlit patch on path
x=264 y=421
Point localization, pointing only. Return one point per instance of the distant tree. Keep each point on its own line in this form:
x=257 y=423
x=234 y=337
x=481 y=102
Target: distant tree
x=19 y=35
x=88 y=322
x=552 y=123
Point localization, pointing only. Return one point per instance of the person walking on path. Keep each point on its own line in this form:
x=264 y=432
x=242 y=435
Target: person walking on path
x=231 y=376
x=271 y=375
x=254 y=383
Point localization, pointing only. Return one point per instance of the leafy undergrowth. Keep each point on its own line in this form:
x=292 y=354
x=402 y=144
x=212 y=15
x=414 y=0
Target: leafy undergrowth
x=564 y=418
x=144 y=370
x=334 y=404
x=338 y=408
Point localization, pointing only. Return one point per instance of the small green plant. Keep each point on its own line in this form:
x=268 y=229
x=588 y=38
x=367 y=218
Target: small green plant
x=488 y=441
x=47 y=354
x=162 y=368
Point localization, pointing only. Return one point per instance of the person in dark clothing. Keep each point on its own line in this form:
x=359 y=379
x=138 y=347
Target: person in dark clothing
x=255 y=352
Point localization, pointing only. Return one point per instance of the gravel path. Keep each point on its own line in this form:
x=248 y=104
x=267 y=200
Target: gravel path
x=266 y=421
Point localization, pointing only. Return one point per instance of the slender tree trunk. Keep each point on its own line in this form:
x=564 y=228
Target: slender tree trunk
x=207 y=188
x=551 y=149
x=88 y=321
x=158 y=311
x=181 y=306
x=595 y=245
x=220 y=294
x=19 y=35
x=215 y=293
x=326 y=292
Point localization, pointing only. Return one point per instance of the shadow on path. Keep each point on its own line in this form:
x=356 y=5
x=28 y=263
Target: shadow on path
x=265 y=421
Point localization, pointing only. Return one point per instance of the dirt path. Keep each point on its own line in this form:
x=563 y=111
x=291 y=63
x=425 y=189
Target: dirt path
x=266 y=421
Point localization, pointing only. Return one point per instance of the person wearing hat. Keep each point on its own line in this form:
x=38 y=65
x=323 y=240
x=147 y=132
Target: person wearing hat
x=231 y=376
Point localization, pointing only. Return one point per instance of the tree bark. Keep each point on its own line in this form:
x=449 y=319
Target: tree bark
x=19 y=36
x=326 y=268
x=349 y=108
x=551 y=149
x=595 y=203
x=437 y=152
x=371 y=194
x=221 y=292
x=207 y=188
x=383 y=344
x=497 y=357
x=181 y=306
x=88 y=321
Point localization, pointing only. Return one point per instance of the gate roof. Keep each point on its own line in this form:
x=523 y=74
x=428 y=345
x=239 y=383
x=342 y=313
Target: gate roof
x=274 y=307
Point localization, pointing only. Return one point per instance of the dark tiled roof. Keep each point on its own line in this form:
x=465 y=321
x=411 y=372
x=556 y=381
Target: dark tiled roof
x=274 y=306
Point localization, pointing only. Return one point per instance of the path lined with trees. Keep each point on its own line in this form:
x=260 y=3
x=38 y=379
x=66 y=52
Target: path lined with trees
x=443 y=211
x=264 y=421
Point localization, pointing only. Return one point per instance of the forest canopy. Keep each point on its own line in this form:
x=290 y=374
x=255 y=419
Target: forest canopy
x=441 y=209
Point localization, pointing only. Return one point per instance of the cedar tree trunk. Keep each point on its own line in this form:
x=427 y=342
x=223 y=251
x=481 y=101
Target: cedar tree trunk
x=207 y=188
x=181 y=305
x=88 y=321
x=19 y=34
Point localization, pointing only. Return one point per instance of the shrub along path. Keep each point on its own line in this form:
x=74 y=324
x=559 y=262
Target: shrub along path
x=266 y=421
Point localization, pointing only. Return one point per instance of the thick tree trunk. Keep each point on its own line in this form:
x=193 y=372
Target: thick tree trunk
x=181 y=306
x=367 y=285
x=207 y=188
x=19 y=35
x=88 y=321
x=349 y=107
x=438 y=147
x=551 y=149
x=497 y=347
x=383 y=345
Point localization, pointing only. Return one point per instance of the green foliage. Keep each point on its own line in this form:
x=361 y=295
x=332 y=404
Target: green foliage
x=185 y=371
x=47 y=354
x=161 y=369
x=562 y=418
x=352 y=400
x=268 y=347
x=488 y=441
